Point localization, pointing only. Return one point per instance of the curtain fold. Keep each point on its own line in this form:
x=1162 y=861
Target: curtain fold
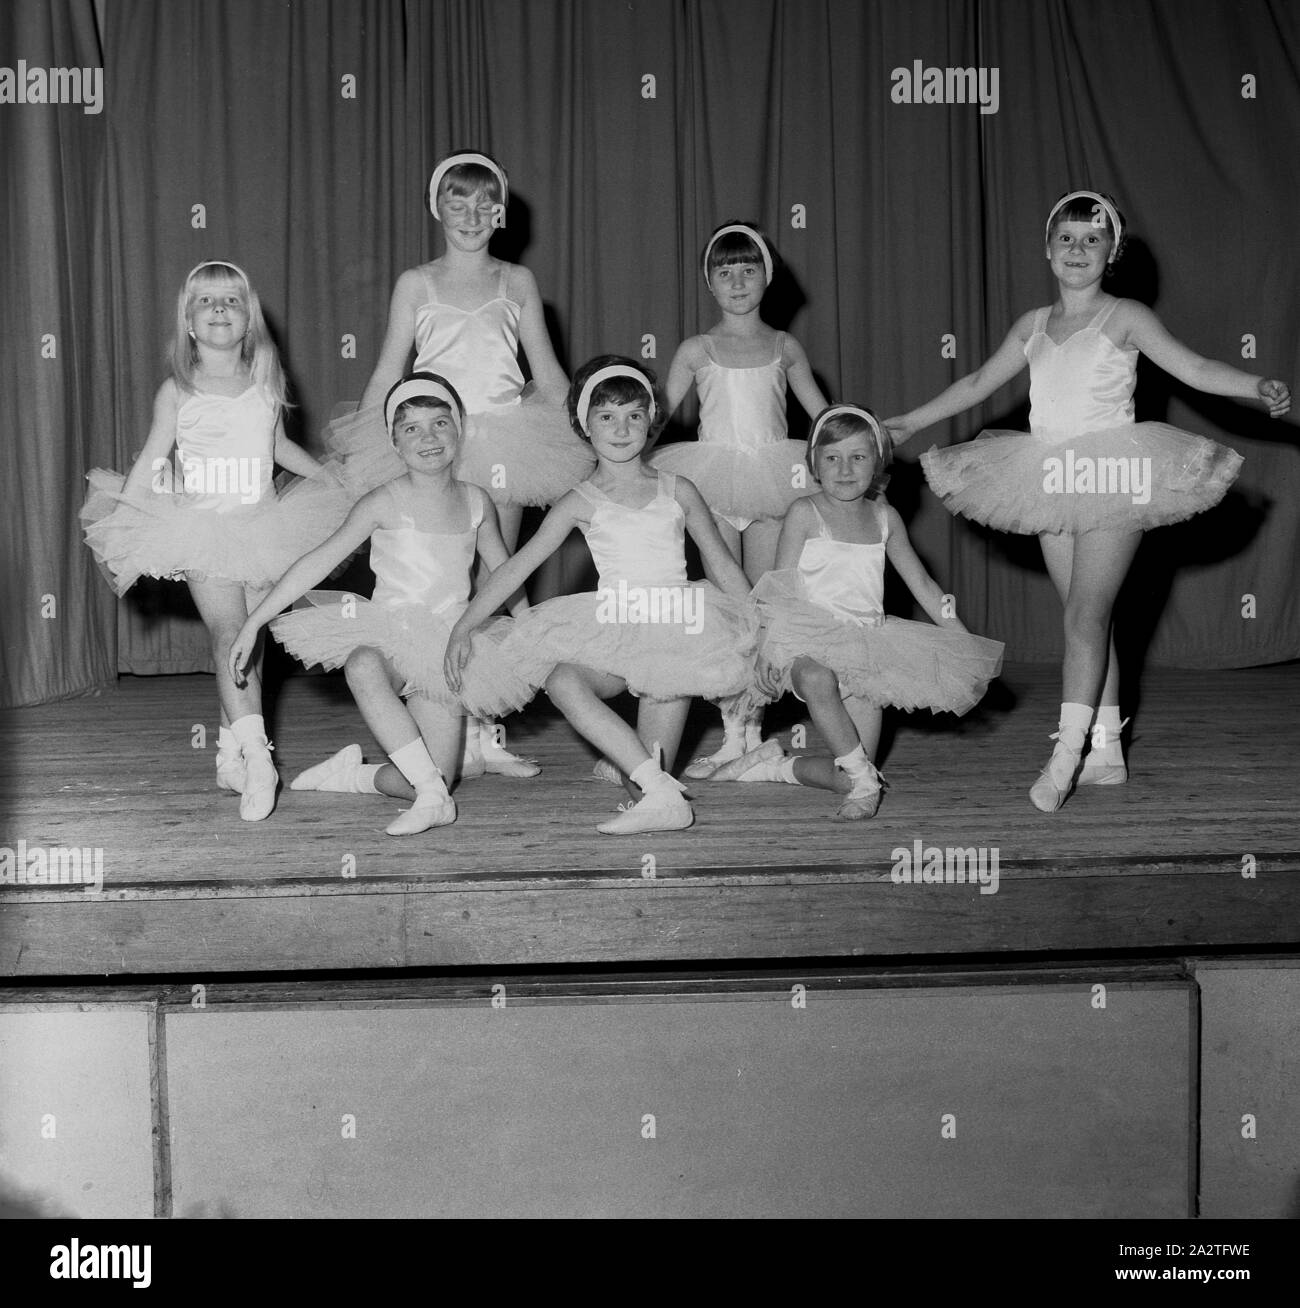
x=297 y=140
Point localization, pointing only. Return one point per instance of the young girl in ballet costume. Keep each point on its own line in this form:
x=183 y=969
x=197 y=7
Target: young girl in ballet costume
x=1082 y=353
x=825 y=633
x=214 y=518
x=742 y=462
x=647 y=629
x=425 y=529
x=466 y=314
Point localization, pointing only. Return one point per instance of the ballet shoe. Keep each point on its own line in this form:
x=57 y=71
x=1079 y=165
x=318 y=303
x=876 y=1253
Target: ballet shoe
x=700 y=769
x=428 y=811
x=232 y=771
x=759 y=764
x=1101 y=773
x=863 y=801
x=1056 y=781
x=260 y=784
x=338 y=772
x=662 y=809
x=502 y=763
x=496 y=758
x=606 y=771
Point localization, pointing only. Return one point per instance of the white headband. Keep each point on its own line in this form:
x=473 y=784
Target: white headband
x=454 y=161
x=753 y=236
x=883 y=445
x=604 y=374
x=1101 y=203
x=218 y=263
x=414 y=386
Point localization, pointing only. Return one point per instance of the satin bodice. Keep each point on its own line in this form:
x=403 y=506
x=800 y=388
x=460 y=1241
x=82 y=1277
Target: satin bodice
x=844 y=577
x=1084 y=384
x=225 y=448
x=416 y=566
x=641 y=547
x=742 y=406
x=477 y=350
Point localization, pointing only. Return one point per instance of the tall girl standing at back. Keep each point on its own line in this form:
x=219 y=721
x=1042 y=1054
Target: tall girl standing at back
x=215 y=520
x=745 y=467
x=1082 y=353
x=467 y=314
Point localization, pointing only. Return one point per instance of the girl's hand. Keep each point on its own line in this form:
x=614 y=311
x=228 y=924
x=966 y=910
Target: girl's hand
x=768 y=679
x=1277 y=395
x=241 y=651
x=898 y=430
x=457 y=655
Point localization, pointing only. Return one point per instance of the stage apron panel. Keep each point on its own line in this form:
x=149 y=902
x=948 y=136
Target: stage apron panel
x=1250 y=1069
x=976 y=1102
x=75 y=1124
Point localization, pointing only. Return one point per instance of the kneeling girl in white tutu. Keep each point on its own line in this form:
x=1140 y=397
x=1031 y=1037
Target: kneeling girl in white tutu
x=1087 y=479
x=212 y=516
x=825 y=633
x=425 y=530
x=742 y=463
x=647 y=629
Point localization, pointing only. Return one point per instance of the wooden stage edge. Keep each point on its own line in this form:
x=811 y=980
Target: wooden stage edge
x=523 y=881
x=805 y=913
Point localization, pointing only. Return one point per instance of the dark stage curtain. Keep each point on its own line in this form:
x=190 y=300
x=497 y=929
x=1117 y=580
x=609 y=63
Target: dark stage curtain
x=630 y=130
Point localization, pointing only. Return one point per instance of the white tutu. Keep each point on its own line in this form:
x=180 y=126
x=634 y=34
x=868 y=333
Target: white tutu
x=1132 y=477
x=737 y=482
x=523 y=453
x=707 y=650
x=898 y=664
x=411 y=636
x=167 y=534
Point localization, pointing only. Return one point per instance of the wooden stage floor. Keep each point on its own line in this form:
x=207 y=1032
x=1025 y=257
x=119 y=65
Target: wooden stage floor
x=522 y=879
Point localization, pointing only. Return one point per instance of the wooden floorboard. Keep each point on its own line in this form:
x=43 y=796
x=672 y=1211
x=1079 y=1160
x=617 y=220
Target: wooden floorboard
x=523 y=878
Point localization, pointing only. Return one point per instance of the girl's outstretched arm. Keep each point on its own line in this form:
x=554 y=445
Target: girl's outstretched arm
x=535 y=339
x=1145 y=331
x=507 y=579
x=310 y=570
x=491 y=548
x=713 y=550
x=998 y=369
x=408 y=295
x=158 y=444
x=799 y=377
x=925 y=590
x=290 y=455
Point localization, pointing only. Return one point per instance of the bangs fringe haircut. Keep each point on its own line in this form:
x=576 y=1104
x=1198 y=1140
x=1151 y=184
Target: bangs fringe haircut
x=614 y=390
x=844 y=425
x=257 y=352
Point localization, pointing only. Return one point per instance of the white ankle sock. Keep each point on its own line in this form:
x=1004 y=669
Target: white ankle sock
x=785 y=771
x=250 y=732
x=1106 y=731
x=650 y=776
x=1072 y=729
x=491 y=737
x=855 y=763
x=415 y=764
